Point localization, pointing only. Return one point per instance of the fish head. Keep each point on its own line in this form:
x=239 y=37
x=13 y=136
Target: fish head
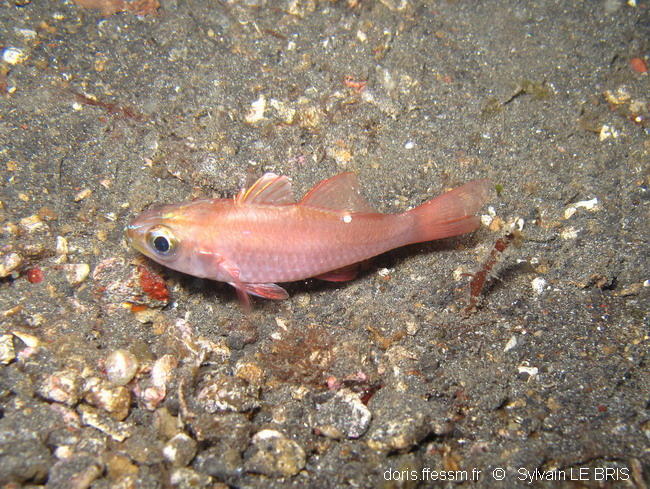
x=171 y=235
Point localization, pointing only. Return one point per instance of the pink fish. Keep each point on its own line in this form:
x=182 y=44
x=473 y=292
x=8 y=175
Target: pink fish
x=263 y=236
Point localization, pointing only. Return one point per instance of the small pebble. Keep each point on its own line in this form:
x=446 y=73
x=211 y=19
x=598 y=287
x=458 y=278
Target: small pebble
x=119 y=466
x=77 y=472
x=7 y=352
x=219 y=461
x=180 y=450
x=226 y=393
x=569 y=233
x=284 y=111
x=121 y=366
x=400 y=421
x=147 y=315
x=619 y=96
x=184 y=478
x=9 y=263
x=166 y=425
x=161 y=373
x=395 y=5
x=63 y=452
x=118 y=431
x=151 y=397
x=32 y=223
x=233 y=429
x=275 y=455
x=115 y=400
x=639 y=65
x=63 y=386
x=76 y=273
x=250 y=372
x=344 y=414
x=35 y=275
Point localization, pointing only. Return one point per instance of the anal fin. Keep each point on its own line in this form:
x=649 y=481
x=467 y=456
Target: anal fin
x=343 y=274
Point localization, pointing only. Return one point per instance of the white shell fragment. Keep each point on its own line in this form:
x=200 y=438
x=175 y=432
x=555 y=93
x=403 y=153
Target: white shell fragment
x=525 y=369
x=118 y=431
x=538 y=284
x=32 y=223
x=26 y=33
x=61 y=250
x=30 y=340
x=569 y=233
x=284 y=111
x=161 y=371
x=590 y=205
x=256 y=112
x=9 y=263
x=82 y=194
x=486 y=219
x=512 y=342
x=14 y=56
x=607 y=131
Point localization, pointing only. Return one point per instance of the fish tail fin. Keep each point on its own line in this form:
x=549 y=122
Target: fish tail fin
x=451 y=213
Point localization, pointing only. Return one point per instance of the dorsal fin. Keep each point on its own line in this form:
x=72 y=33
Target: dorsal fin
x=340 y=193
x=268 y=189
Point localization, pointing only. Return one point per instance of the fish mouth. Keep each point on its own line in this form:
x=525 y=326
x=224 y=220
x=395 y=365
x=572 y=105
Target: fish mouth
x=136 y=230
x=132 y=232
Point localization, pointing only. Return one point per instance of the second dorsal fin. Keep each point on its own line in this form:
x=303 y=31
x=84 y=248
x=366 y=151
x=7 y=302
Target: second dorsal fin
x=268 y=189
x=340 y=193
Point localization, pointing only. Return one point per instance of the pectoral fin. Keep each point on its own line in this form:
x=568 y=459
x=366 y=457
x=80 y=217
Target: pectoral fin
x=268 y=291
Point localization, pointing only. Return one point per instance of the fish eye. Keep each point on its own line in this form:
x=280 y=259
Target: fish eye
x=162 y=240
